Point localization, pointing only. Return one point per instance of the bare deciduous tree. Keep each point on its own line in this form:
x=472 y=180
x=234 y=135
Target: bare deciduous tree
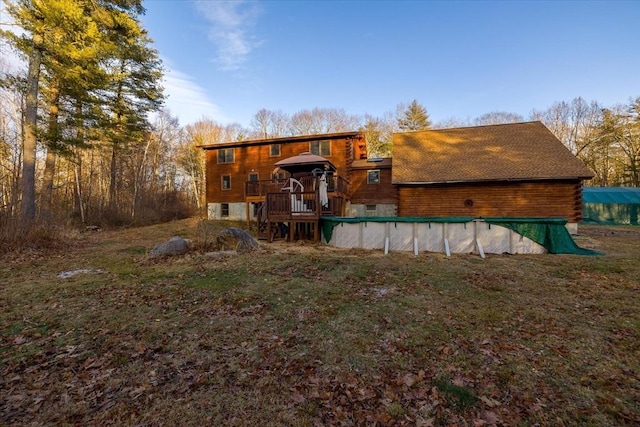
x=322 y=120
x=498 y=118
x=269 y=124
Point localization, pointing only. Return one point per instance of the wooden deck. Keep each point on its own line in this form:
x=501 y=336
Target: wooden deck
x=293 y=215
x=297 y=213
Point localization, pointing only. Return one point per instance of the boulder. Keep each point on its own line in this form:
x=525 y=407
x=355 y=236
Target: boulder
x=175 y=246
x=236 y=239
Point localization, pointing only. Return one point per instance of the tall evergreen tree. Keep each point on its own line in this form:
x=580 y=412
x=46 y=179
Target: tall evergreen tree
x=32 y=44
x=93 y=61
x=414 y=117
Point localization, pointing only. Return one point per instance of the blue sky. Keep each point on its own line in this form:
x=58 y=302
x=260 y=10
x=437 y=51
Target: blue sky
x=226 y=60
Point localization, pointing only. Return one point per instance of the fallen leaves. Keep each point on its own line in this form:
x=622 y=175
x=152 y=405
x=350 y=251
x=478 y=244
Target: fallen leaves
x=340 y=339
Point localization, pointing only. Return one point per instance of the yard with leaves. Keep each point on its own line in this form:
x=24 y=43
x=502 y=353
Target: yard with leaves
x=303 y=334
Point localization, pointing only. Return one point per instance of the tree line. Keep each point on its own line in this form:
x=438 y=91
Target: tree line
x=84 y=138
x=606 y=139
x=73 y=122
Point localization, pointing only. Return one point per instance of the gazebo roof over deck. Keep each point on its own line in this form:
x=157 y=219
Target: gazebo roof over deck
x=305 y=162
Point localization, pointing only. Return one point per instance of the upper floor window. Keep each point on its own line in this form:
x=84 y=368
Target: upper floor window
x=225 y=155
x=274 y=150
x=320 y=148
x=373 y=176
x=226 y=182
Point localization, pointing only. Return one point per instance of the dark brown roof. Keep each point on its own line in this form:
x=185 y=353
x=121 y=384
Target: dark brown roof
x=519 y=151
x=280 y=140
x=304 y=161
x=383 y=163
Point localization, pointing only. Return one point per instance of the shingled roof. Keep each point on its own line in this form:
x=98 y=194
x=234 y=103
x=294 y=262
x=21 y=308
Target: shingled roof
x=518 y=151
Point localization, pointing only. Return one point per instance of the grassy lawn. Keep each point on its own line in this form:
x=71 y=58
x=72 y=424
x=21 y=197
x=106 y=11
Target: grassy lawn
x=309 y=335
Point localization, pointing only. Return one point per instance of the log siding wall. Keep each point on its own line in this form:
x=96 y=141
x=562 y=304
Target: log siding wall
x=540 y=199
x=372 y=194
x=257 y=158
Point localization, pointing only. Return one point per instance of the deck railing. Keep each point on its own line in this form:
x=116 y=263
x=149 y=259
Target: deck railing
x=310 y=183
x=285 y=206
x=261 y=188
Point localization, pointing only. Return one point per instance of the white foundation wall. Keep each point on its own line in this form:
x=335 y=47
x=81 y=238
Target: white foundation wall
x=469 y=237
x=361 y=211
x=572 y=227
x=237 y=211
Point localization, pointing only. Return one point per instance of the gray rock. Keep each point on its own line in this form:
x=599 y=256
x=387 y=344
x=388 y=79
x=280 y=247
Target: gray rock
x=237 y=239
x=175 y=246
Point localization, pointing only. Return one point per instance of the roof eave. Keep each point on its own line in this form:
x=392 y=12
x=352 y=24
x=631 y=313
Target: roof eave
x=279 y=140
x=466 y=181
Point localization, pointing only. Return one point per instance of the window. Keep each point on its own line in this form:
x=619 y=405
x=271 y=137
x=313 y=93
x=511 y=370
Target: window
x=373 y=176
x=320 y=148
x=274 y=150
x=253 y=176
x=225 y=155
x=370 y=208
x=226 y=182
x=224 y=210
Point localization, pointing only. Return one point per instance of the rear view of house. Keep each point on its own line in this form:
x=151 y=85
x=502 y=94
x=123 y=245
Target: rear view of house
x=516 y=170
x=278 y=180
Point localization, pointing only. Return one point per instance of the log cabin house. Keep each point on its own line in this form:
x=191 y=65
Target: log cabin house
x=510 y=170
x=277 y=181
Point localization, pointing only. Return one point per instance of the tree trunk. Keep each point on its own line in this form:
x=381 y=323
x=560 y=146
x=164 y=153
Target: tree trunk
x=47 y=185
x=78 y=207
x=77 y=174
x=112 y=181
x=30 y=132
x=196 y=190
x=138 y=178
x=50 y=163
x=118 y=124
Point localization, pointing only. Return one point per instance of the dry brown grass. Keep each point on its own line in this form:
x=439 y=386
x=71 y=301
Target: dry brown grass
x=17 y=236
x=305 y=334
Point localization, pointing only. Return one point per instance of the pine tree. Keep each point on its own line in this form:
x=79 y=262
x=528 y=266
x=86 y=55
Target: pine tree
x=414 y=117
x=32 y=45
x=134 y=72
x=92 y=63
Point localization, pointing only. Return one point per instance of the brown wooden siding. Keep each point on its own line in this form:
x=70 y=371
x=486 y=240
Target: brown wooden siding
x=541 y=199
x=258 y=159
x=370 y=194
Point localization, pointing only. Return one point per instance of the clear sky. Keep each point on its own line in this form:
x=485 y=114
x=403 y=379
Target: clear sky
x=226 y=60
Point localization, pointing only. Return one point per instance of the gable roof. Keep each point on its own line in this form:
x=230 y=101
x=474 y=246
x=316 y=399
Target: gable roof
x=518 y=151
x=281 y=140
